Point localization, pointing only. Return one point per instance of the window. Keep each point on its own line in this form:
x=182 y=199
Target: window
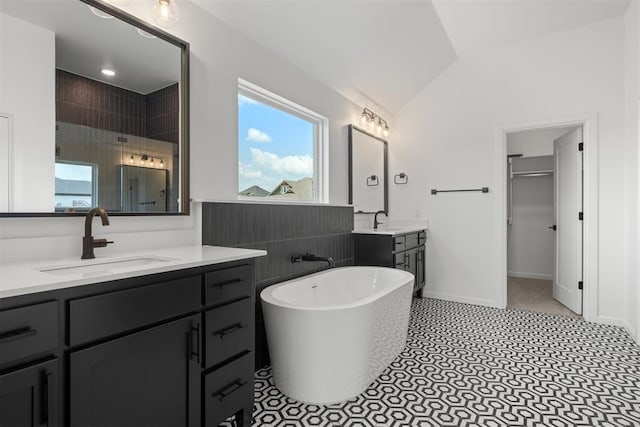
x=75 y=186
x=281 y=148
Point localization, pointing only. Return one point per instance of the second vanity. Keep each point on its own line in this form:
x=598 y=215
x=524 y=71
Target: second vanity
x=402 y=248
x=163 y=339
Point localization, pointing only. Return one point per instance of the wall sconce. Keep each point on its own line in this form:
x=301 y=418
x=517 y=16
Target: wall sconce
x=165 y=13
x=374 y=121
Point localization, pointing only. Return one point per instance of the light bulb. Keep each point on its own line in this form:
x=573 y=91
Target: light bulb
x=385 y=132
x=151 y=162
x=364 y=118
x=372 y=124
x=131 y=159
x=379 y=126
x=165 y=13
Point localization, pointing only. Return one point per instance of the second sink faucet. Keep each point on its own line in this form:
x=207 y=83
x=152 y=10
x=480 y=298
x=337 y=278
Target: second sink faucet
x=376 y=223
x=88 y=242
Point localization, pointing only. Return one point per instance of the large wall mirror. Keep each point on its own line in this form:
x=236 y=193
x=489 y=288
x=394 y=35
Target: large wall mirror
x=367 y=171
x=93 y=111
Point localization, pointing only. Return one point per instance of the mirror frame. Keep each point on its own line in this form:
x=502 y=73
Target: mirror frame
x=386 y=167
x=183 y=148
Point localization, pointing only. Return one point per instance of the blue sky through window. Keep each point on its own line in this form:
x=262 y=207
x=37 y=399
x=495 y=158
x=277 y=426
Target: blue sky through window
x=272 y=145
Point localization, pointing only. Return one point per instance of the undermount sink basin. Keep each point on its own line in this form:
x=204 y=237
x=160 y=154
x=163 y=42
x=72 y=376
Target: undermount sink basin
x=102 y=266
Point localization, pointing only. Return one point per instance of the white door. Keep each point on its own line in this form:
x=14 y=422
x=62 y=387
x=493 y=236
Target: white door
x=568 y=206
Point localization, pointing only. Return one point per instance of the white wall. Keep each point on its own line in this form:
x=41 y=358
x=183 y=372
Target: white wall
x=530 y=243
x=448 y=140
x=534 y=142
x=632 y=153
x=27 y=54
x=219 y=55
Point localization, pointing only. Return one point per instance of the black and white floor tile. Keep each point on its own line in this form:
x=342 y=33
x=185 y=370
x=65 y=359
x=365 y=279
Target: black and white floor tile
x=467 y=365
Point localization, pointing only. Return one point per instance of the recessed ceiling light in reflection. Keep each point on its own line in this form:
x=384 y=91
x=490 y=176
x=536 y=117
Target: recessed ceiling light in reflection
x=107 y=72
x=100 y=13
x=143 y=33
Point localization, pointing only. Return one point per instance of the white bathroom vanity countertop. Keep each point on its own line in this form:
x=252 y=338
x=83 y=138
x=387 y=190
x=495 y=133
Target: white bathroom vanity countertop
x=391 y=231
x=32 y=277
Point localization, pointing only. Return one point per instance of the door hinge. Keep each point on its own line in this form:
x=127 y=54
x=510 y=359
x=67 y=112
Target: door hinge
x=580 y=216
x=581 y=146
x=580 y=285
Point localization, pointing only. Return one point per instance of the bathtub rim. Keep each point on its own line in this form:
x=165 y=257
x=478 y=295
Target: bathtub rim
x=266 y=295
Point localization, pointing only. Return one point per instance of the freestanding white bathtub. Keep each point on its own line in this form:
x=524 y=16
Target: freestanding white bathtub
x=332 y=333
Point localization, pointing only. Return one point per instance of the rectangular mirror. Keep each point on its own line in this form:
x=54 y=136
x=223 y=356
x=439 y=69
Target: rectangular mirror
x=367 y=171
x=93 y=111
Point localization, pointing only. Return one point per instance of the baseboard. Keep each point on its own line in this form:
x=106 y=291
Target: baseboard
x=621 y=323
x=459 y=298
x=530 y=275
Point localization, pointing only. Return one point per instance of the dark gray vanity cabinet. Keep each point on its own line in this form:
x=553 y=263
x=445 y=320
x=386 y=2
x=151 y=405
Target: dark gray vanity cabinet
x=29 y=396
x=169 y=349
x=403 y=251
x=142 y=379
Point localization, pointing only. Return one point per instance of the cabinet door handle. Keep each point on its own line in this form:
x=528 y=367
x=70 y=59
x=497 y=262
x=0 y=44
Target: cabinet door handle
x=222 y=394
x=46 y=396
x=229 y=330
x=195 y=340
x=17 y=334
x=408 y=262
x=226 y=283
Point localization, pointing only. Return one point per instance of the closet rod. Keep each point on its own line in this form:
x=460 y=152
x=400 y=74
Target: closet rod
x=533 y=173
x=483 y=189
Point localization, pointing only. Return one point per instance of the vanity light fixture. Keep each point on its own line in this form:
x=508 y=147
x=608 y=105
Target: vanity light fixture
x=146 y=160
x=107 y=72
x=165 y=13
x=375 y=121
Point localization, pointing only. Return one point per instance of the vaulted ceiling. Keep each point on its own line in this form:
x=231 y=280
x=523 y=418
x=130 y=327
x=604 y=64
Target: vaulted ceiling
x=380 y=53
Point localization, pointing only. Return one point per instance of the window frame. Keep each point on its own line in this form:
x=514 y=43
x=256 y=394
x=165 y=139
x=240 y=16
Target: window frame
x=320 y=141
x=94 y=184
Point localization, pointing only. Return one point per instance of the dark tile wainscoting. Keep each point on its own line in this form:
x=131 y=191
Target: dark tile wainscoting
x=283 y=231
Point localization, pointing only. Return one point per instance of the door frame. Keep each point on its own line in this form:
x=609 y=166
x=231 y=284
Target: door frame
x=589 y=123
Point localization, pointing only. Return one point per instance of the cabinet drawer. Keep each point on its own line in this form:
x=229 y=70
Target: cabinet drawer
x=28 y=330
x=228 y=284
x=415 y=239
x=399 y=243
x=107 y=314
x=228 y=331
x=228 y=390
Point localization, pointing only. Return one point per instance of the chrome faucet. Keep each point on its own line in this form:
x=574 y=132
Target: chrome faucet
x=311 y=257
x=88 y=242
x=376 y=223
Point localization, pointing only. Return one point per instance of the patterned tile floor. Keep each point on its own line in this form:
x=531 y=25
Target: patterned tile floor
x=467 y=365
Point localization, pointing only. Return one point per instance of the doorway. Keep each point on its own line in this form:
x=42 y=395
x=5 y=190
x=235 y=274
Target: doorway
x=536 y=258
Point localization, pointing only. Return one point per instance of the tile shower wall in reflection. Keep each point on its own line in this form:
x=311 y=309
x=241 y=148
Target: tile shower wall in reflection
x=283 y=231
x=98 y=105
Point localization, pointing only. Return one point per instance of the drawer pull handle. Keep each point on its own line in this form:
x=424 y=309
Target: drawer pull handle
x=226 y=283
x=17 y=334
x=229 y=389
x=399 y=243
x=229 y=330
